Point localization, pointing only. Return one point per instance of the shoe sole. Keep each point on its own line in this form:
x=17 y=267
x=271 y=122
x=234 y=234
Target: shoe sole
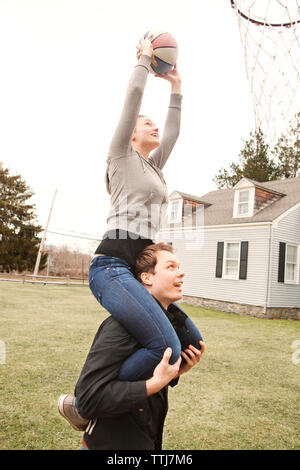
x=61 y=411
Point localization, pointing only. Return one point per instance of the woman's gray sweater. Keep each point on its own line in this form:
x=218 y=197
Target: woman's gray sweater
x=136 y=185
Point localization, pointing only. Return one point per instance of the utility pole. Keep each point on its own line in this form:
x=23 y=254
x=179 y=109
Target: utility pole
x=38 y=259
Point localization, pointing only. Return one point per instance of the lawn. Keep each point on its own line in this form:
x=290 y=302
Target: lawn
x=244 y=394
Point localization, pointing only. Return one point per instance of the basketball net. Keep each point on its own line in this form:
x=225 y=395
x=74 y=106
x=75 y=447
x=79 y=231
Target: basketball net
x=270 y=34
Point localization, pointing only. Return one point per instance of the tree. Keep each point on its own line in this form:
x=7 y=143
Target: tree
x=255 y=164
x=19 y=235
x=287 y=151
x=65 y=261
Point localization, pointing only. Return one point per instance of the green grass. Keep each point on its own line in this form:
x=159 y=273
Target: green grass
x=244 y=394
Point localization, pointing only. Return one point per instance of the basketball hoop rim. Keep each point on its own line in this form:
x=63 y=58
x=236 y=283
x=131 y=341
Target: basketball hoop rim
x=260 y=23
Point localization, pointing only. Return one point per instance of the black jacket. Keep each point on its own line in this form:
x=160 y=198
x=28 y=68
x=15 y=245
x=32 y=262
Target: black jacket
x=126 y=417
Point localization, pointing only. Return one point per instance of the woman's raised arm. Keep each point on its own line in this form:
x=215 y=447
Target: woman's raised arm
x=121 y=140
x=172 y=124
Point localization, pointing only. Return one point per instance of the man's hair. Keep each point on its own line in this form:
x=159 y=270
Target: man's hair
x=147 y=259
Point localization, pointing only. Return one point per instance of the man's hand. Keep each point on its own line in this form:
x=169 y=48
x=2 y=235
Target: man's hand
x=192 y=357
x=163 y=373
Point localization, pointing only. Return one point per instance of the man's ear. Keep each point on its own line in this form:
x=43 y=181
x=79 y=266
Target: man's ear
x=146 y=279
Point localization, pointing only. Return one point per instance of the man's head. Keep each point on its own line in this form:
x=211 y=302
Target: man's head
x=157 y=268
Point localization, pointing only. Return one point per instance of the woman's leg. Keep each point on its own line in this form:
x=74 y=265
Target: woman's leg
x=185 y=328
x=189 y=335
x=115 y=287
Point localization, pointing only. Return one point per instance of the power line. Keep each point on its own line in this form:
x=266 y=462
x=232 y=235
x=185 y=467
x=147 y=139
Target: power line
x=74 y=236
x=72 y=231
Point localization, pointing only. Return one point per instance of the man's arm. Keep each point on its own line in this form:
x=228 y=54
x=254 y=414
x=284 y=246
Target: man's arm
x=163 y=374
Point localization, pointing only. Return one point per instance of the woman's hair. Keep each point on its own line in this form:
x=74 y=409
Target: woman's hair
x=146 y=260
x=139 y=116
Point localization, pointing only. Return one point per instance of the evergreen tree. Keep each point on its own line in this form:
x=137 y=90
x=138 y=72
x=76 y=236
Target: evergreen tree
x=254 y=164
x=19 y=241
x=287 y=150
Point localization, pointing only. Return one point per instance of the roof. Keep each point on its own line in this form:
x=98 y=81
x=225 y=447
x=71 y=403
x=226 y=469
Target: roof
x=220 y=212
x=191 y=197
x=263 y=186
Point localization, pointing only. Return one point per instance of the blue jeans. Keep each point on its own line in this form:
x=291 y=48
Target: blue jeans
x=119 y=292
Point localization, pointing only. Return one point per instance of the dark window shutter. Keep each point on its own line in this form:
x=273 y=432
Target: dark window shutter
x=243 y=260
x=281 y=264
x=220 y=253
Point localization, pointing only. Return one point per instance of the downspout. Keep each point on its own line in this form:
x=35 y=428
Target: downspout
x=269 y=271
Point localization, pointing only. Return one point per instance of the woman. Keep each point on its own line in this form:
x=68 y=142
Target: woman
x=138 y=193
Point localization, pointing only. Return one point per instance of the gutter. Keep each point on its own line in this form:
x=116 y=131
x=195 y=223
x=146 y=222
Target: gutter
x=246 y=225
x=267 y=301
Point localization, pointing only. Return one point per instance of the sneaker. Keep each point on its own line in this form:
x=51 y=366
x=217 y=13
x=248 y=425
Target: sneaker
x=67 y=408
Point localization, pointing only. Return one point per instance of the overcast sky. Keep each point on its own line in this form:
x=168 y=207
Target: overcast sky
x=65 y=65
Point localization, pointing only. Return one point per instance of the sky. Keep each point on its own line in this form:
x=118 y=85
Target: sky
x=64 y=69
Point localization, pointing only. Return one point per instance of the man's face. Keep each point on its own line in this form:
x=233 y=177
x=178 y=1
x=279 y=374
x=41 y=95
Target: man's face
x=166 y=282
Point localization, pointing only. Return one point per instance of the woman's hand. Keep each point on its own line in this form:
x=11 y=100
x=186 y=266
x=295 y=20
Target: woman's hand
x=173 y=77
x=145 y=47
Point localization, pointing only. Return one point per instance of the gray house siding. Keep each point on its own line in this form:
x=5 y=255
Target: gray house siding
x=199 y=265
x=286 y=230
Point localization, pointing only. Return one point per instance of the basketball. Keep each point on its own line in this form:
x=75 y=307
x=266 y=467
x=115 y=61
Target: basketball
x=165 y=51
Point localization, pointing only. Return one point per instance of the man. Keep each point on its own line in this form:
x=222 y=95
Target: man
x=120 y=415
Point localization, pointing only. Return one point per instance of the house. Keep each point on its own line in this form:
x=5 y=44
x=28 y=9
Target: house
x=239 y=247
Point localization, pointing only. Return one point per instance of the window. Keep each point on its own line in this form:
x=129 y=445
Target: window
x=244 y=202
x=288 y=263
x=231 y=260
x=175 y=211
x=291 y=264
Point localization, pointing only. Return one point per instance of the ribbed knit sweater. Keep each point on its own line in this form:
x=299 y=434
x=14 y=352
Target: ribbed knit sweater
x=136 y=185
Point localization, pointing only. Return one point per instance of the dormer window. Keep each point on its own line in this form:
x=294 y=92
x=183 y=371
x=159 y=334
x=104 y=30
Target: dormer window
x=244 y=202
x=175 y=211
x=251 y=197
